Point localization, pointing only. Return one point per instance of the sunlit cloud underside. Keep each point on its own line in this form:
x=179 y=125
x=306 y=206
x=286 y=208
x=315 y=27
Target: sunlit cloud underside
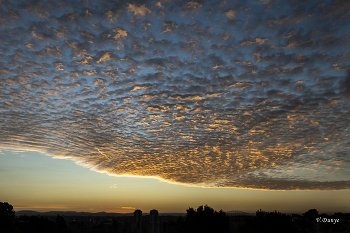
x=246 y=94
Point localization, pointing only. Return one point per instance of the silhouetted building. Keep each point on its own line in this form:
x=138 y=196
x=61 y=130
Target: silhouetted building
x=77 y=227
x=138 y=221
x=164 y=227
x=154 y=221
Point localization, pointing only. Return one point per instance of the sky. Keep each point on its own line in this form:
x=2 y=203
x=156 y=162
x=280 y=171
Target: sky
x=117 y=105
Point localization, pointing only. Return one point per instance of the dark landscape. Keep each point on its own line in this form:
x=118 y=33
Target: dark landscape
x=203 y=219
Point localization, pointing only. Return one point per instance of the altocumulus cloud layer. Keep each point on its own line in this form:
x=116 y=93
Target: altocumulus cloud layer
x=248 y=94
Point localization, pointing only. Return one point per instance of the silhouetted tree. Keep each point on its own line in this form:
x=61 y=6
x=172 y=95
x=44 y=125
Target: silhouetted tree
x=204 y=219
x=311 y=214
x=7 y=217
x=271 y=222
x=61 y=224
x=35 y=224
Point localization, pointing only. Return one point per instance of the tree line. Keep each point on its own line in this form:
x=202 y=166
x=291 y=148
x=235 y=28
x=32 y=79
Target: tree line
x=204 y=219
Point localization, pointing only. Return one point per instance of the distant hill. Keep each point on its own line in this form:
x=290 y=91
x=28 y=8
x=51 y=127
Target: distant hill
x=169 y=214
x=74 y=213
x=68 y=213
x=238 y=213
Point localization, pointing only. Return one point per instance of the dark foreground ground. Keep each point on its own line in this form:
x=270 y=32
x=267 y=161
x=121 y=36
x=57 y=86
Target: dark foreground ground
x=203 y=219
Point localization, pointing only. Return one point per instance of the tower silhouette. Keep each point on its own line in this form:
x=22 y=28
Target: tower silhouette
x=137 y=221
x=154 y=221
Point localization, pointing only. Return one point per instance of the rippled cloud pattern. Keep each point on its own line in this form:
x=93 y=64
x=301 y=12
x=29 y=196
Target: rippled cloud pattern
x=245 y=94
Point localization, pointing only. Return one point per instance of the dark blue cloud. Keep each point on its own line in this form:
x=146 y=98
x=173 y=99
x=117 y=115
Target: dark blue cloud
x=229 y=94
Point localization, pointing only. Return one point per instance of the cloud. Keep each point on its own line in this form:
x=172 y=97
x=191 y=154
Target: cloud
x=170 y=26
x=119 y=33
x=139 y=10
x=159 y=4
x=231 y=14
x=346 y=84
x=182 y=97
x=265 y=1
x=192 y=5
x=106 y=56
x=288 y=20
x=250 y=41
